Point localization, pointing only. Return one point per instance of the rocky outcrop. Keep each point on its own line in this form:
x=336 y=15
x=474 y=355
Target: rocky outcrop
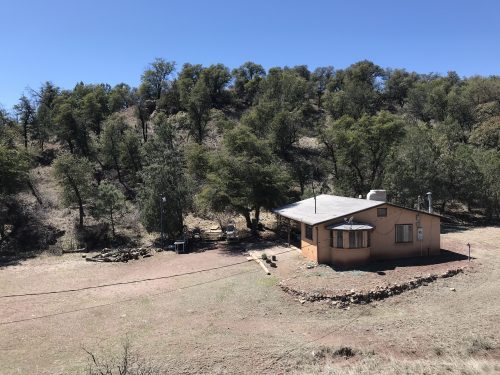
x=344 y=299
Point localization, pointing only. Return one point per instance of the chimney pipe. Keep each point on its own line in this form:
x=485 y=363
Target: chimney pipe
x=429 y=198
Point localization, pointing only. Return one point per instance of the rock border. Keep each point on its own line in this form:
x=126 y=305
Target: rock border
x=344 y=299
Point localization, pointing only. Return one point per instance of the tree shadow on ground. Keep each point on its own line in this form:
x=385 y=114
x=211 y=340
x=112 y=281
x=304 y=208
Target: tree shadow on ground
x=233 y=248
x=453 y=228
x=446 y=256
x=15 y=259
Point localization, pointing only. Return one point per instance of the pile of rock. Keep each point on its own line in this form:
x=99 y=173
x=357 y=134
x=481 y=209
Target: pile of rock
x=120 y=255
x=344 y=299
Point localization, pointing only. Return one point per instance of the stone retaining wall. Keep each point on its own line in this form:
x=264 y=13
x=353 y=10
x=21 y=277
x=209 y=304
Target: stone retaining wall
x=344 y=299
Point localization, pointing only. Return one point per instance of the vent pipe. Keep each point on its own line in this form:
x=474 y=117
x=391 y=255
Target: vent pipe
x=429 y=198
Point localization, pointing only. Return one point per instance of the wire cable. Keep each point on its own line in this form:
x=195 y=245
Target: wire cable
x=121 y=301
x=30 y=294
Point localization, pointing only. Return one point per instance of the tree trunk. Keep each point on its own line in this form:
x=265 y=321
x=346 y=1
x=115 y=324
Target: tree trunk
x=80 y=206
x=443 y=206
x=25 y=131
x=257 y=217
x=35 y=193
x=246 y=215
x=112 y=223
x=144 y=126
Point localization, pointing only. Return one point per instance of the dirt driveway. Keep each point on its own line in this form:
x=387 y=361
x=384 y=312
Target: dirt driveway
x=233 y=318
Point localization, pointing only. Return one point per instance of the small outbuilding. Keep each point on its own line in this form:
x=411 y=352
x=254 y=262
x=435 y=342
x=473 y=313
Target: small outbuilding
x=349 y=231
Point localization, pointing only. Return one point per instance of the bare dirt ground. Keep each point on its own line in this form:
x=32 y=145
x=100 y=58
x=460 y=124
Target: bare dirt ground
x=302 y=275
x=235 y=319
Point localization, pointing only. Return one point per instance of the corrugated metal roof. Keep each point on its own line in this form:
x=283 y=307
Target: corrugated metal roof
x=350 y=226
x=328 y=207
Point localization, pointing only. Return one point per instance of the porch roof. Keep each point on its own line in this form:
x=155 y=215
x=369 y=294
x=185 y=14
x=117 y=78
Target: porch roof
x=351 y=226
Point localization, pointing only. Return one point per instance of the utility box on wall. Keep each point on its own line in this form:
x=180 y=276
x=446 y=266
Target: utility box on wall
x=420 y=234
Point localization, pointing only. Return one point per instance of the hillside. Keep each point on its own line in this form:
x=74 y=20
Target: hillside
x=92 y=164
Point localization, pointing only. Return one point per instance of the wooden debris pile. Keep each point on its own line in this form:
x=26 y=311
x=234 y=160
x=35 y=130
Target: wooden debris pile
x=120 y=255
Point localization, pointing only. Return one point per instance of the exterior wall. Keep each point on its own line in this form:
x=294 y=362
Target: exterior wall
x=308 y=247
x=382 y=244
x=383 y=238
x=345 y=257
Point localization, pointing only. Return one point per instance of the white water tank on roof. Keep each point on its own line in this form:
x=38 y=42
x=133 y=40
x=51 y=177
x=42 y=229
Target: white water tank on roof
x=377 y=195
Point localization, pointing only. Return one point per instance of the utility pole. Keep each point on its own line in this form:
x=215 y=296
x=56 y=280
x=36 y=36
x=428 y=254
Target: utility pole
x=162 y=200
x=314 y=194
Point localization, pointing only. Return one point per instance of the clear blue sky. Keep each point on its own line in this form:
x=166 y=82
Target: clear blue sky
x=113 y=41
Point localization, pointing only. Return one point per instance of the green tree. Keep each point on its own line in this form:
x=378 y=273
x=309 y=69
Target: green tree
x=245 y=176
x=27 y=117
x=188 y=77
x=164 y=176
x=321 y=77
x=68 y=127
x=131 y=155
x=8 y=129
x=198 y=109
x=358 y=149
x=74 y=174
x=112 y=144
x=355 y=91
x=216 y=78
x=110 y=204
x=45 y=99
x=397 y=84
x=14 y=170
x=488 y=162
x=411 y=170
x=93 y=109
x=247 y=80
x=155 y=80
x=120 y=97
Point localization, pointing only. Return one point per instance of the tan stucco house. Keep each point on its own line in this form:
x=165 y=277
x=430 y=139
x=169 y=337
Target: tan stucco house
x=348 y=231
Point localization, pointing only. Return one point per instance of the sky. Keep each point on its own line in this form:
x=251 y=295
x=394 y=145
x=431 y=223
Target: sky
x=111 y=41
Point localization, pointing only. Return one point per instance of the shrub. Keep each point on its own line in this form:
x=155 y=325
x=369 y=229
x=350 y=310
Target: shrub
x=127 y=363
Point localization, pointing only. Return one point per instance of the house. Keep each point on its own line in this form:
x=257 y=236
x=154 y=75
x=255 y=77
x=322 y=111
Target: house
x=347 y=231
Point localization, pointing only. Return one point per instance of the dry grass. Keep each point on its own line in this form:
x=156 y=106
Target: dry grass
x=373 y=364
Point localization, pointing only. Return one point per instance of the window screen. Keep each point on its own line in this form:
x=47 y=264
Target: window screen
x=381 y=212
x=355 y=239
x=340 y=239
x=309 y=232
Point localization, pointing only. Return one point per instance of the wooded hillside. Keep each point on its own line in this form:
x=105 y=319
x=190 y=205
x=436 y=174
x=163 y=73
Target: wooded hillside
x=210 y=140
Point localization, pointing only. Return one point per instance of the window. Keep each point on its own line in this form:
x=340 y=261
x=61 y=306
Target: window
x=355 y=239
x=309 y=232
x=404 y=233
x=381 y=212
x=340 y=239
x=336 y=238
